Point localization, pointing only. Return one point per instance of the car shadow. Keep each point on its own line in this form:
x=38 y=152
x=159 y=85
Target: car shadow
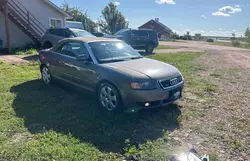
x=63 y=110
x=31 y=58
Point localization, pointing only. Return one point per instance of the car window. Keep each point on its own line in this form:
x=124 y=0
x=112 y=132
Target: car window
x=58 y=32
x=134 y=33
x=68 y=34
x=73 y=49
x=142 y=33
x=50 y=31
x=82 y=33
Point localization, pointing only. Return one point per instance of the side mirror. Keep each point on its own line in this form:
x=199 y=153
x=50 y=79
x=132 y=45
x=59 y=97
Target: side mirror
x=82 y=57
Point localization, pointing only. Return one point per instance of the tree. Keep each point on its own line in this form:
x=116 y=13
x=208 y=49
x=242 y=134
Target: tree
x=247 y=33
x=233 y=34
x=78 y=15
x=187 y=36
x=112 y=20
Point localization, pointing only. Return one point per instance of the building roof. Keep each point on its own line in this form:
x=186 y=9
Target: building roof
x=57 y=8
x=165 y=28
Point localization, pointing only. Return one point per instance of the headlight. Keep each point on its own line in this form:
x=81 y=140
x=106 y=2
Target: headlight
x=143 y=85
x=181 y=76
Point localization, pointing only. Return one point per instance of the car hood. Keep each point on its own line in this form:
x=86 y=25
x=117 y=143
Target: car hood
x=151 y=68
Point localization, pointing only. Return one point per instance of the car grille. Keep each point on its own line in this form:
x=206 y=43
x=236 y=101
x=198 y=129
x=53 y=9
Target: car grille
x=170 y=82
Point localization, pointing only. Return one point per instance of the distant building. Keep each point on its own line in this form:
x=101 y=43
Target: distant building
x=197 y=37
x=162 y=31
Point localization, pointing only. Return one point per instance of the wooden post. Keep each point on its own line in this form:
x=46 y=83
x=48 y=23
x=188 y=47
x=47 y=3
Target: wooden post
x=7 y=27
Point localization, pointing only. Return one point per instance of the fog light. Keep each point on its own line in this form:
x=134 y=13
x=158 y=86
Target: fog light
x=147 y=104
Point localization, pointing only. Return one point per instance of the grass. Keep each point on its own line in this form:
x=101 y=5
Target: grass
x=190 y=69
x=242 y=45
x=40 y=122
x=164 y=47
x=24 y=51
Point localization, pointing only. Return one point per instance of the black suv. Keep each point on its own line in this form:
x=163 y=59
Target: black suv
x=139 y=39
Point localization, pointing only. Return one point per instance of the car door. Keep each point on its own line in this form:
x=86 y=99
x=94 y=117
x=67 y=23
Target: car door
x=58 y=56
x=143 y=38
x=78 y=72
x=134 y=39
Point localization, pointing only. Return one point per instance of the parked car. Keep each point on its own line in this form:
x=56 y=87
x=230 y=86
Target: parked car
x=210 y=40
x=114 y=71
x=53 y=35
x=74 y=24
x=139 y=39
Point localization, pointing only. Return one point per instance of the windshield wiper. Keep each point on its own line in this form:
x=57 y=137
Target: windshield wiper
x=138 y=57
x=114 y=60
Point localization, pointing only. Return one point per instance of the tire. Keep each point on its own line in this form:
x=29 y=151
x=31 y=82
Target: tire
x=46 y=75
x=149 y=48
x=47 y=45
x=109 y=98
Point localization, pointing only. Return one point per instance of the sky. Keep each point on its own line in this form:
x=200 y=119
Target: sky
x=208 y=17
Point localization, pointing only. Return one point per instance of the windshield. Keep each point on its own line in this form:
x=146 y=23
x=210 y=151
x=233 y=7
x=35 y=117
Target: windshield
x=82 y=33
x=113 y=51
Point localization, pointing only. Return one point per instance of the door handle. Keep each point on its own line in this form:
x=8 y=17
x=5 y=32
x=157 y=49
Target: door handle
x=61 y=62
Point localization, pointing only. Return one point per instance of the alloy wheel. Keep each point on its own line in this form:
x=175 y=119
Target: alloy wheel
x=108 y=98
x=46 y=75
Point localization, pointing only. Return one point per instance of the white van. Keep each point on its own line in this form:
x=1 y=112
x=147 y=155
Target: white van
x=74 y=24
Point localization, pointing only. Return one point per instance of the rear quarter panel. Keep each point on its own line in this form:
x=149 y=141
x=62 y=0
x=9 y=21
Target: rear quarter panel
x=47 y=56
x=53 y=39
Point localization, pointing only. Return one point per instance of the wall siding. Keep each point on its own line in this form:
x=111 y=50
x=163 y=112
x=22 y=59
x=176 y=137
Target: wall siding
x=41 y=11
x=17 y=37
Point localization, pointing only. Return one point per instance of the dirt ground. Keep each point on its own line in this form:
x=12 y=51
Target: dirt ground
x=219 y=123
x=234 y=57
x=18 y=59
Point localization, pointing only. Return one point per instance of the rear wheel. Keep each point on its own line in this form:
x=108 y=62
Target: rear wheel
x=149 y=48
x=45 y=73
x=109 y=97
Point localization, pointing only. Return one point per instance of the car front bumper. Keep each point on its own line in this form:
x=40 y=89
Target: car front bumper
x=155 y=98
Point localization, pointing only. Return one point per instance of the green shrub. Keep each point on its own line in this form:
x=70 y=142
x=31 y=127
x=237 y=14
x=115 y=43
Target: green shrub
x=210 y=40
x=2 y=62
x=24 y=52
x=236 y=43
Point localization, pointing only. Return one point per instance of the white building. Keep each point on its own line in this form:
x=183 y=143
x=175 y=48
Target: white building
x=27 y=21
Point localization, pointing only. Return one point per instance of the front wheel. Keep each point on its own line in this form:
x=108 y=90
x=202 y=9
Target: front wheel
x=109 y=97
x=149 y=48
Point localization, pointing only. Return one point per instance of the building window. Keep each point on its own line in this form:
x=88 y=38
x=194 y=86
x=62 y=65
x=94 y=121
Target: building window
x=55 y=23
